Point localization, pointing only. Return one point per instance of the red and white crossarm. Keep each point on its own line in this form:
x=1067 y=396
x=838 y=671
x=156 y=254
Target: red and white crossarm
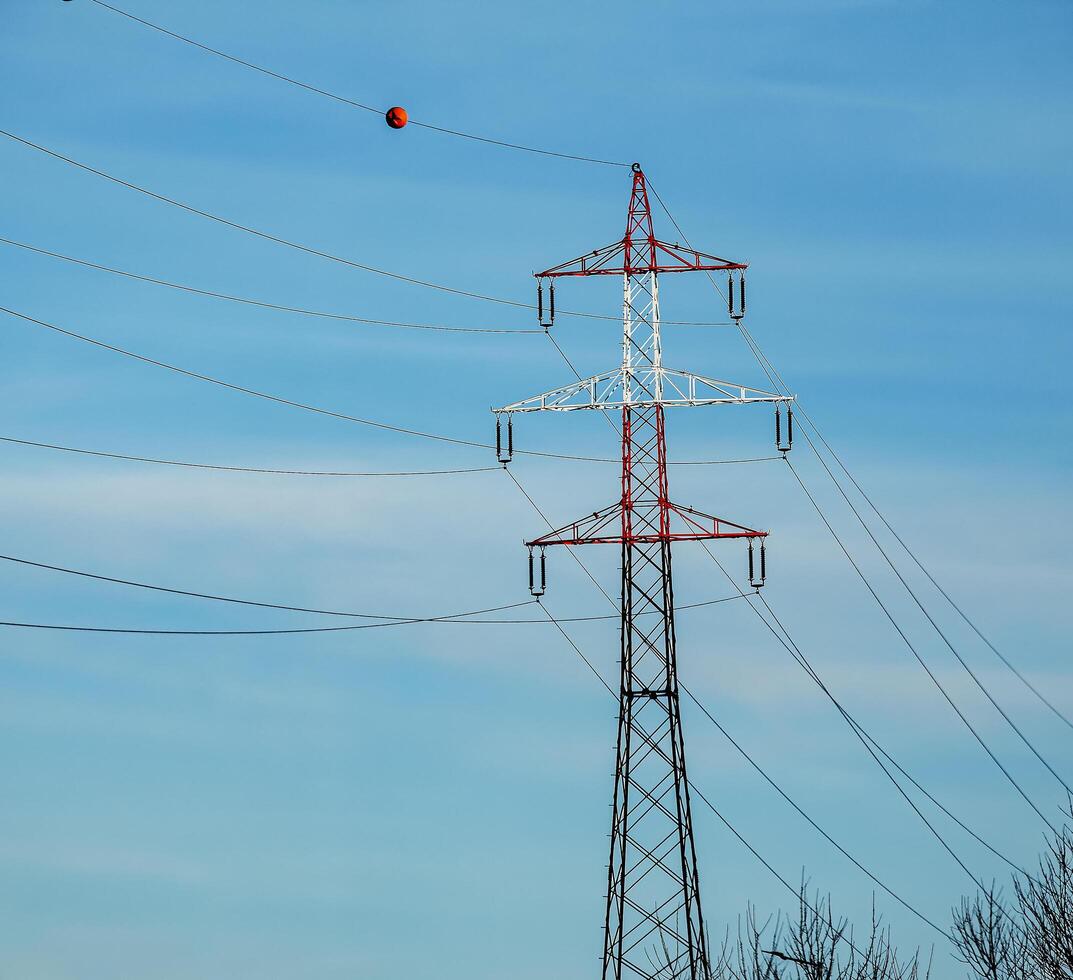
x=643 y=523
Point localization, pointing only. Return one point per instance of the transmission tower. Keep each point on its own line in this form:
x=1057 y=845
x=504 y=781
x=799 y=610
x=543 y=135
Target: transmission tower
x=653 y=928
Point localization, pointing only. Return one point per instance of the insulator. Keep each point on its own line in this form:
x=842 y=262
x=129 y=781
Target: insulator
x=754 y=582
x=548 y=323
x=536 y=589
x=779 y=444
x=501 y=456
x=736 y=312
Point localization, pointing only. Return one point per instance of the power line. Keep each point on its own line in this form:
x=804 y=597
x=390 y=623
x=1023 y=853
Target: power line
x=935 y=680
x=262 y=304
x=246 y=391
x=570 y=364
x=812 y=823
x=323 y=411
x=787 y=642
x=569 y=639
x=859 y=730
x=960 y=659
x=972 y=625
x=244 y=469
x=244 y=632
x=349 y=102
x=230 y=599
x=800 y=658
x=307 y=609
x=796 y=892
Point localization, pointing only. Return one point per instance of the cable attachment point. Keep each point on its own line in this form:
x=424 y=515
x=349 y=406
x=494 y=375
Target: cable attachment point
x=504 y=454
x=550 y=321
x=736 y=310
x=757 y=583
x=537 y=584
x=779 y=444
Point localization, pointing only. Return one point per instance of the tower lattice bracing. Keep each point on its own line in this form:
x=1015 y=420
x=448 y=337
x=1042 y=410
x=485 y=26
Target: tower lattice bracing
x=654 y=926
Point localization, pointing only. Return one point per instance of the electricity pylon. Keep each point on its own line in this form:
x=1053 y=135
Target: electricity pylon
x=653 y=928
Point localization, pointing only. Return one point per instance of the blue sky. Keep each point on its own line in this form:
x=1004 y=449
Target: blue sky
x=431 y=800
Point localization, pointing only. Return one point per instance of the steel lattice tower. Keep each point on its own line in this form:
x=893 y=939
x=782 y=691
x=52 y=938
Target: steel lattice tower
x=654 y=927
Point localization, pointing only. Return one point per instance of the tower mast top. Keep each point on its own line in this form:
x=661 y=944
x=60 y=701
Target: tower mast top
x=639 y=250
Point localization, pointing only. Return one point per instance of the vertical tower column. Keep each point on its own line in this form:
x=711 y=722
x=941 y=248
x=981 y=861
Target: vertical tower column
x=653 y=927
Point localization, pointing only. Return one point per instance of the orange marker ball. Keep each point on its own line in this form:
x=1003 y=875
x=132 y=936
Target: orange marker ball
x=396 y=117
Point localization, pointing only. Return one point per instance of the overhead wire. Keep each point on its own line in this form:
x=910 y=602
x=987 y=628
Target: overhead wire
x=950 y=646
x=245 y=469
x=261 y=304
x=574 y=371
x=808 y=819
x=787 y=642
x=239 y=388
x=957 y=608
x=923 y=663
x=939 y=588
x=861 y=731
x=569 y=639
x=242 y=632
x=81 y=573
x=347 y=101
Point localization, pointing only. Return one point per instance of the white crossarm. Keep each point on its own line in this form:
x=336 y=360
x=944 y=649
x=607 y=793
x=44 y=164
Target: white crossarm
x=680 y=389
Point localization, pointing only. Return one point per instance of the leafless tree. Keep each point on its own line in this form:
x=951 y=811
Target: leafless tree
x=811 y=944
x=990 y=939
x=1029 y=937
